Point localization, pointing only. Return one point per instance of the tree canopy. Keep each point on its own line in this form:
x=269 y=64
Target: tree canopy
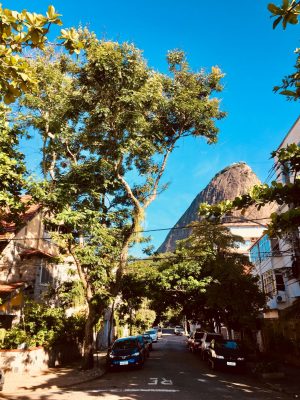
x=205 y=280
x=20 y=30
x=288 y=13
x=108 y=123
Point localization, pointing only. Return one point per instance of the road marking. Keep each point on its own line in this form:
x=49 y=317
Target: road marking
x=164 y=381
x=202 y=380
x=153 y=381
x=133 y=390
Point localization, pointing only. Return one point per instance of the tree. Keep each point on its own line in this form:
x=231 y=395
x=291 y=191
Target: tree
x=19 y=30
x=207 y=280
x=109 y=124
x=12 y=170
x=288 y=13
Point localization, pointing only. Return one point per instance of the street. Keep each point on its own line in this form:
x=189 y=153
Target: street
x=171 y=372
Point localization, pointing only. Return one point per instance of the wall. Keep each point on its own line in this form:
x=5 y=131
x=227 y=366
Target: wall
x=37 y=358
x=24 y=361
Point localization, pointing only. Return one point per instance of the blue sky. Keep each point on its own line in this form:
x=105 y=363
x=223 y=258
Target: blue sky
x=235 y=35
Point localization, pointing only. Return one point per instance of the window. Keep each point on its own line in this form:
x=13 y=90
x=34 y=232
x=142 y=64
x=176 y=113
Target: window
x=45 y=274
x=279 y=282
x=268 y=283
x=261 y=251
x=275 y=247
x=254 y=254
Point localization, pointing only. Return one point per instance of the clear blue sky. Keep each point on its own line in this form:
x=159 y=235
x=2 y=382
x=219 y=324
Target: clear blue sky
x=235 y=35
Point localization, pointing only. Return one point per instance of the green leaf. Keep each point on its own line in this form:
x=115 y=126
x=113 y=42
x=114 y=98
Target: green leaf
x=274 y=9
x=51 y=12
x=276 y=22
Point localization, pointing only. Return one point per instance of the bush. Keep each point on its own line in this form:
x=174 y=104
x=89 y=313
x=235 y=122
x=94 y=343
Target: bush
x=44 y=326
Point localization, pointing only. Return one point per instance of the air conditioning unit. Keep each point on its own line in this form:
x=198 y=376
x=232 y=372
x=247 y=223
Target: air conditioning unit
x=281 y=297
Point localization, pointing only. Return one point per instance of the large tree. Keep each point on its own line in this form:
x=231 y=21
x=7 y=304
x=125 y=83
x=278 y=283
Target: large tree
x=205 y=280
x=109 y=124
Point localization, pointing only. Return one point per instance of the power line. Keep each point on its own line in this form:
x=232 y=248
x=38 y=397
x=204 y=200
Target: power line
x=254 y=220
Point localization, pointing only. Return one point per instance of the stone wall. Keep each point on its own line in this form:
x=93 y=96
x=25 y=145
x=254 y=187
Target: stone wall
x=28 y=361
x=24 y=361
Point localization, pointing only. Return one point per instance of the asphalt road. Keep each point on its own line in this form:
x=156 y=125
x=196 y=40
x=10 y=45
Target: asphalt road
x=171 y=372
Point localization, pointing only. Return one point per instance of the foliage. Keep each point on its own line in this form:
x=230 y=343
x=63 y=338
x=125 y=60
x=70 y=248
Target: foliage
x=42 y=325
x=288 y=13
x=288 y=159
x=204 y=280
x=19 y=30
x=108 y=124
x=12 y=170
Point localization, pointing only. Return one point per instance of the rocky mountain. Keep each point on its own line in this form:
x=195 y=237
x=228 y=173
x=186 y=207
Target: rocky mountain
x=232 y=181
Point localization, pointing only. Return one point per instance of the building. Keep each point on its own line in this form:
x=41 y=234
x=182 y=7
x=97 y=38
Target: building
x=26 y=262
x=277 y=265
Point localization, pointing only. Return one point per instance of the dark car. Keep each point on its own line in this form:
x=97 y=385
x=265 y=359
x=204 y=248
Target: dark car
x=149 y=340
x=225 y=353
x=144 y=342
x=205 y=342
x=194 y=341
x=126 y=351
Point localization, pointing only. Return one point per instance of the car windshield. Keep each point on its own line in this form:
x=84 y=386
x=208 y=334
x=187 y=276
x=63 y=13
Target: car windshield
x=125 y=344
x=209 y=338
x=151 y=332
x=199 y=335
x=227 y=344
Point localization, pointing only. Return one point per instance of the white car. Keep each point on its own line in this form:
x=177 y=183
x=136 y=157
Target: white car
x=178 y=330
x=153 y=334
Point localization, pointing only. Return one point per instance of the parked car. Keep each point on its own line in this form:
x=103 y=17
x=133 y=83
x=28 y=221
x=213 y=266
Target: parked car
x=153 y=334
x=194 y=341
x=225 y=353
x=126 y=351
x=159 y=331
x=178 y=330
x=144 y=343
x=148 y=338
x=205 y=342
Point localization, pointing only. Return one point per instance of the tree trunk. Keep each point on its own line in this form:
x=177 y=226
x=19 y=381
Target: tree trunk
x=111 y=322
x=88 y=345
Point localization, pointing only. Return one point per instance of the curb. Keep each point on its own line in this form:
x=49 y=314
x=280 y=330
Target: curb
x=280 y=389
x=97 y=374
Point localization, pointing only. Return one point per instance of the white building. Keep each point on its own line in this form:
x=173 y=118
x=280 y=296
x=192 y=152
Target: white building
x=274 y=259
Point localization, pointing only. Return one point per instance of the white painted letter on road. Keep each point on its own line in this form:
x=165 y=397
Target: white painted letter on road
x=165 y=381
x=153 y=381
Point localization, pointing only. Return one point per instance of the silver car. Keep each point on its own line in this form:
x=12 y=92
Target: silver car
x=153 y=334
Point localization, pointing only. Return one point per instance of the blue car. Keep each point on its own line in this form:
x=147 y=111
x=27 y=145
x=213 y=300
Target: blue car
x=126 y=352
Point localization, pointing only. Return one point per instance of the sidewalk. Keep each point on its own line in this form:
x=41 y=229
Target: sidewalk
x=289 y=384
x=52 y=378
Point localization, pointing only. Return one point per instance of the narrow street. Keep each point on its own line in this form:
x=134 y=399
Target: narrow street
x=171 y=372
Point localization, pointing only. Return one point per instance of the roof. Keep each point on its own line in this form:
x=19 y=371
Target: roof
x=30 y=212
x=8 y=288
x=290 y=130
x=34 y=252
